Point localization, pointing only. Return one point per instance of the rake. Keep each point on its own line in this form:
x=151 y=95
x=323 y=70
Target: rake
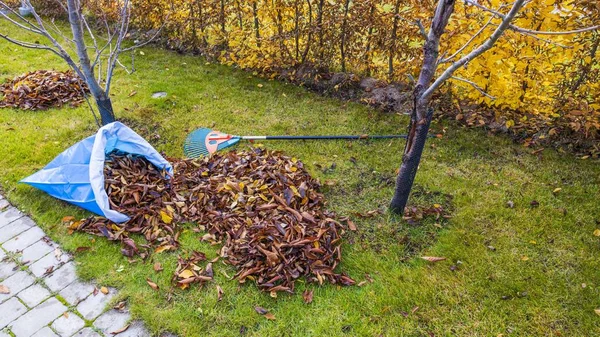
x=204 y=142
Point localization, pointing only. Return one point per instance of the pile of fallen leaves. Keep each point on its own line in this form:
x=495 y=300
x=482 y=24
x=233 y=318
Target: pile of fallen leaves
x=43 y=89
x=263 y=207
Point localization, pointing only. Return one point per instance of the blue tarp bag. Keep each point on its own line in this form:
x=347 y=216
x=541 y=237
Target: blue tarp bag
x=77 y=175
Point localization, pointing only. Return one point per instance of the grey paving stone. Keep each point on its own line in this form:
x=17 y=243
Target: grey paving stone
x=40 y=266
x=7 y=268
x=68 y=325
x=44 y=332
x=87 y=332
x=38 y=317
x=24 y=240
x=111 y=321
x=136 y=329
x=17 y=282
x=9 y=215
x=15 y=228
x=36 y=251
x=61 y=277
x=76 y=292
x=93 y=306
x=10 y=310
x=34 y=295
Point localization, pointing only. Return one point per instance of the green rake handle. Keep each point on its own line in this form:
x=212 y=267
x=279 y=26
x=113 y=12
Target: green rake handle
x=317 y=137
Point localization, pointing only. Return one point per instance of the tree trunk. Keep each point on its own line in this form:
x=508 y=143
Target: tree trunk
x=256 y=24
x=343 y=39
x=422 y=114
x=102 y=100
x=106 y=110
x=410 y=161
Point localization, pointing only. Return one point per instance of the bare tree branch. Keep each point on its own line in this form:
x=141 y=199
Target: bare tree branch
x=474 y=85
x=532 y=31
x=546 y=40
x=16 y=23
x=421 y=28
x=147 y=41
x=518 y=4
x=29 y=45
x=449 y=58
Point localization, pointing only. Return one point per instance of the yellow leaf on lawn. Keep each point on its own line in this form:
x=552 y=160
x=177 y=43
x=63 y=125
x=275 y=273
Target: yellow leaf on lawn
x=104 y=290
x=597 y=232
x=186 y=274
x=597 y=311
x=524 y=258
x=161 y=249
x=166 y=218
x=556 y=190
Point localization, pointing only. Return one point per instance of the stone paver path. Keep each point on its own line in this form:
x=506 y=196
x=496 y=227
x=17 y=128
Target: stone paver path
x=40 y=294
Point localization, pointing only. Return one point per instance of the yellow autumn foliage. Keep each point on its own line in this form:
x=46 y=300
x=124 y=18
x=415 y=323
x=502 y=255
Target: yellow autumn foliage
x=548 y=75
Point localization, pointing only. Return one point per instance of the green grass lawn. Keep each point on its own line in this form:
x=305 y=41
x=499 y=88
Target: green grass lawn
x=542 y=278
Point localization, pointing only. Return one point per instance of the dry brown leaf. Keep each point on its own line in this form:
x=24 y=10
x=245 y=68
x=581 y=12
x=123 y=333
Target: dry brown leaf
x=261 y=310
x=307 y=295
x=157 y=267
x=68 y=219
x=220 y=293
x=351 y=225
x=433 y=258
x=152 y=284
x=120 y=330
x=4 y=289
x=269 y=316
x=104 y=290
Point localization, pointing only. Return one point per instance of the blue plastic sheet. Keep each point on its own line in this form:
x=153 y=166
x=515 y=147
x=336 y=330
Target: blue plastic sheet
x=77 y=175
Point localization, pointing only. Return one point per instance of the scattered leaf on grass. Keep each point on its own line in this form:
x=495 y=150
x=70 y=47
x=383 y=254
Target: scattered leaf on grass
x=534 y=204
x=433 y=258
x=351 y=225
x=597 y=311
x=157 y=267
x=261 y=310
x=82 y=249
x=597 y=232
x=152 y=284
x=556 y=190
x=68 y=219
x=308 y=296
x=220 y=293
x=269 y=316
x=4 y=289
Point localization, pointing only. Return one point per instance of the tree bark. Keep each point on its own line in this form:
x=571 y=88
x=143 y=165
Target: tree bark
x=256 y=24
x=102 y=100
x=106 y=110
x=422 y=114
x=343 y=39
